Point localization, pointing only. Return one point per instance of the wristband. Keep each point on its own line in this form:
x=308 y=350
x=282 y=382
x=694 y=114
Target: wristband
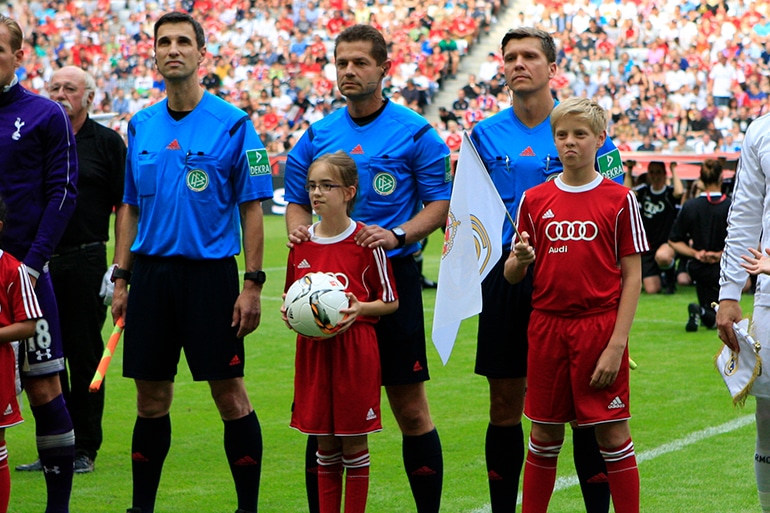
x=258 y=277
x=120 y=274
x=400 y=236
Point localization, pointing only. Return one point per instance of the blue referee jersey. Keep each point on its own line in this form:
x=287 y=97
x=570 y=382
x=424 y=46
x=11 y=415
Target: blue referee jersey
x=519 y=158
x=188 y=177
x=402 y=162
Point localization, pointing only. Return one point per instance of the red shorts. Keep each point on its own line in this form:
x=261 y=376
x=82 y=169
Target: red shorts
x=337 y=384
x=10 y=415
x=562 y=356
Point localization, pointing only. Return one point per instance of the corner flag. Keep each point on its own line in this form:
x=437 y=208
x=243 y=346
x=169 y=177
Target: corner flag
x=472 y=247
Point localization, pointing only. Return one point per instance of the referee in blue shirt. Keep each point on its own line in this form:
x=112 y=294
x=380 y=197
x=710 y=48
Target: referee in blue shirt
x=196 y=172
x=405 y=186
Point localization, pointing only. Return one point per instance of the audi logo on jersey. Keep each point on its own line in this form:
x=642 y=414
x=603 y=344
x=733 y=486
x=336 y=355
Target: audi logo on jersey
x=340 y=277
x=650 y=208
x=571 y=230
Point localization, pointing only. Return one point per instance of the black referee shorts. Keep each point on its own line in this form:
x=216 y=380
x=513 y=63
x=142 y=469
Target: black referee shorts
x=176 y=303
x=501 y=350
x=401 y=335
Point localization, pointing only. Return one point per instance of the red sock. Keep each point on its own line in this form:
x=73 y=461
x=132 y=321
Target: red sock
x=329 y=481
x=623 y=475
x=356 y=481
x=5 y=479
x=539 y=475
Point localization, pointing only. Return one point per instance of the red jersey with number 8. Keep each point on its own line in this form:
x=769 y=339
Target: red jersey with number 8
x=18 y=303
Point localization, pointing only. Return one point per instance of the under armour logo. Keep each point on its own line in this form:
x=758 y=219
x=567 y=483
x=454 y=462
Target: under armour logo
x=52 y=470
x=17 y=134
x=41 y=354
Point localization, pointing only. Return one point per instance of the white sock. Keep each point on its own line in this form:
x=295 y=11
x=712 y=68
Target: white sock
x=764 y=501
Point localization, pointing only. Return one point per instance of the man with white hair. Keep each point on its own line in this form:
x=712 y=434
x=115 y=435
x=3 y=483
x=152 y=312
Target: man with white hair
x=78 y=265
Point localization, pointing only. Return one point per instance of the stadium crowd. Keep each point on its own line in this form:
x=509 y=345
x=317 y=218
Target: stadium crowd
x=271 y=58
x=675 y=76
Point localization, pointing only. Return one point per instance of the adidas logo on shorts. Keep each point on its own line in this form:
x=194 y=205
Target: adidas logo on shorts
x=370 y=415
x=615 y=404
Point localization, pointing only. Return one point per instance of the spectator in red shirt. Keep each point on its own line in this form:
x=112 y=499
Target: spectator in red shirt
x=453 y=138
x=286 y=22
x=336 y=24
x=464 y=27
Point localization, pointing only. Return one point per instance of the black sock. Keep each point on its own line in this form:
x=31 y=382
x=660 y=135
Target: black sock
x=670 y=275
x=424 y=465
x=504 y=449
x=56 y=448
x=243 y=447
x=708 y=317
x=149 y=448
x=311 y=474
x=591 y=470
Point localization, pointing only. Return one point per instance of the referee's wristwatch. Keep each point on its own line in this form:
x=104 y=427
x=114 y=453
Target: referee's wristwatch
x=400 y=236
x=258 y=277
x=120 y=274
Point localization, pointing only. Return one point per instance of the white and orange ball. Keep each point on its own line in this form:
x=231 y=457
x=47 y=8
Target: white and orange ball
x=313 y=305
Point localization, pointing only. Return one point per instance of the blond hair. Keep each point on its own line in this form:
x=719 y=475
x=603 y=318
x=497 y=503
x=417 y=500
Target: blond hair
x=17 y=36
x=583 y=109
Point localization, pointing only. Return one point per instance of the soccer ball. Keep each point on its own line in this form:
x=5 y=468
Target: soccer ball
x=313 y=305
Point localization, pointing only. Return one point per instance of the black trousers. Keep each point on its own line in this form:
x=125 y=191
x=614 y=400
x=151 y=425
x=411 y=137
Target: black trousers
x=77 y=276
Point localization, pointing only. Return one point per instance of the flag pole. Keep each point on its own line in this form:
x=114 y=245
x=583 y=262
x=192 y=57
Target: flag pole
x=507 y=214
x=471 y=248
x=515 y=229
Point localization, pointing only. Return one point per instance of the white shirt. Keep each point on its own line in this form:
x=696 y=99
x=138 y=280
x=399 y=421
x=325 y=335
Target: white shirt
x=281 y=103
x=749 y=214
x=722 y=76
x=702 y=147
x=487 y=70
x=675 y=79
x=723 y=123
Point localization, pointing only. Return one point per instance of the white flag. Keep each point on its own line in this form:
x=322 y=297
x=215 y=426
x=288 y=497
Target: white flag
x=472 y=246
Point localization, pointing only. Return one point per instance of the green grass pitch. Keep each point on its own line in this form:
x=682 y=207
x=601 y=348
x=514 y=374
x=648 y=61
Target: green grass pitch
x=695 y=450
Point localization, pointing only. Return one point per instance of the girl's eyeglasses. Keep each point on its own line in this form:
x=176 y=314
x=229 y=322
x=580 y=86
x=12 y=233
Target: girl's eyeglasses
x=323 y=187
